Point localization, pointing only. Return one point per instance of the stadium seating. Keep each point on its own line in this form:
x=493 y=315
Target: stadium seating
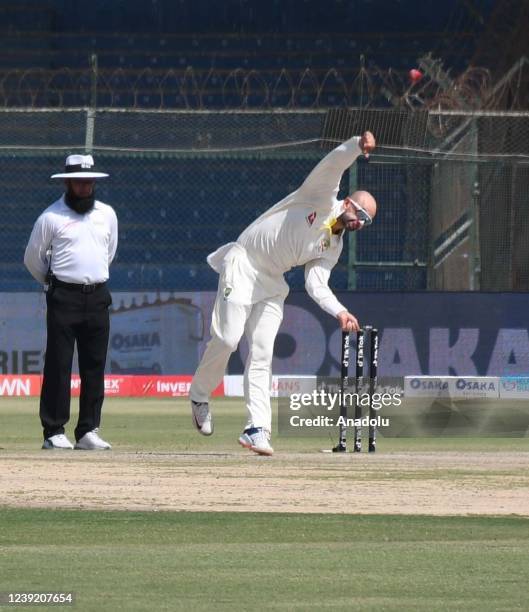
x=251 y=36
x=150 y=55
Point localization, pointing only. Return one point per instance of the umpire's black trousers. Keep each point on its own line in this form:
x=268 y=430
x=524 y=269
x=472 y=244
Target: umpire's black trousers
x=75 y=314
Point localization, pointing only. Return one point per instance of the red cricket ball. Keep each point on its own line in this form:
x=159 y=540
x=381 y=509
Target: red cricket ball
x=415 y=75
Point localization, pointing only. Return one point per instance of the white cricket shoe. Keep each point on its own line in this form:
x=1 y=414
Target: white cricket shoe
x=202 y=419
x=57 y=441
x=92 y=441
x=257 y=440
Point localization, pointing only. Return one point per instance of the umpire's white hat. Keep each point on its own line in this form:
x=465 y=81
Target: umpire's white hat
x=79 y=166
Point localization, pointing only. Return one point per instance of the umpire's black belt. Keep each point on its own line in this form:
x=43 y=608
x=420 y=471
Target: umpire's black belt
x=77 y=286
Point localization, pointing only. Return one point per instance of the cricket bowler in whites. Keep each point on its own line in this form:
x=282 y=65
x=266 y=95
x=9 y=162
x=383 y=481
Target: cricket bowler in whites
x=304 y=229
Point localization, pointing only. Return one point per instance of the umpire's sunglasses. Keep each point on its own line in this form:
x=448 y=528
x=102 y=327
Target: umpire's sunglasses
x=362 y=214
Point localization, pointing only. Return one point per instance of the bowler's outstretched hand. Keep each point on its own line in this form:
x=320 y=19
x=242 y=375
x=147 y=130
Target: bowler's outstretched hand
x=367 y=143
x=348 y=322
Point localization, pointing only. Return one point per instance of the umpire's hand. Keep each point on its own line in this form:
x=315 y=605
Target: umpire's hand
x=348 y=322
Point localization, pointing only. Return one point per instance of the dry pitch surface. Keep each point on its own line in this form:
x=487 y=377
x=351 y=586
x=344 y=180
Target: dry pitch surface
x=160 y=463
x=447 y=483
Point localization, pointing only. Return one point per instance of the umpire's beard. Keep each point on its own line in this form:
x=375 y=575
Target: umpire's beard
x=79 y=205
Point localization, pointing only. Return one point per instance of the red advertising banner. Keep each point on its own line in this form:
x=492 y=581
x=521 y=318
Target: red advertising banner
x=165 y=386
x=20 y=385
x=13 y=385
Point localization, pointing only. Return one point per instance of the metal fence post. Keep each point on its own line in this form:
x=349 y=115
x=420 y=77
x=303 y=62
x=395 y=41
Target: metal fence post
x=91 y=111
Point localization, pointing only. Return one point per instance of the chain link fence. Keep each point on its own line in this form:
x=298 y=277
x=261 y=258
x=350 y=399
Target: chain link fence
x=480 y=203
x=452 y=190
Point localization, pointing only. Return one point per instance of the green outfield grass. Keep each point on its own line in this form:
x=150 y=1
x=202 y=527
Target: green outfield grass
x=234 y=561
x=251 y=561
x=164 y=425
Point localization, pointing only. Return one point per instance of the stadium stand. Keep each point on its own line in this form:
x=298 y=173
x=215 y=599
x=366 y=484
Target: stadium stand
x=148 y=51
x=239 y=34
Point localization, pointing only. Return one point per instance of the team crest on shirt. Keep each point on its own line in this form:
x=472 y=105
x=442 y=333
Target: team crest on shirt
x=323 y=245
x=310 y=218
x=227 y=292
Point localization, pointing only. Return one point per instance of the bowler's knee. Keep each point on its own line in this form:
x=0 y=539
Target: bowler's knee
x=261 y=353
x=228 y=341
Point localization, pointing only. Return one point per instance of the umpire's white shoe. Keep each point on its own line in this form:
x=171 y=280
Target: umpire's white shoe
x=57 y=441
x=202 y=419
x=257 y=440
x=92 y=441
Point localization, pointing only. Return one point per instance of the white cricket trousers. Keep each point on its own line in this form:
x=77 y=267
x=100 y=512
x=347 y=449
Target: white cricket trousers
x=260 y=322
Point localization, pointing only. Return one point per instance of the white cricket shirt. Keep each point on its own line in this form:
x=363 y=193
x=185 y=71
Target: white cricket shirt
x=81 y=246
x=296 y=237
x=295 y=232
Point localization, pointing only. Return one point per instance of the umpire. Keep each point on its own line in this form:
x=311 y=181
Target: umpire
x=70 y=250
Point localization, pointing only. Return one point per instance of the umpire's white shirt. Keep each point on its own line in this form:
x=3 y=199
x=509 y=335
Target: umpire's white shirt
x=81 y=246
x=294 y=232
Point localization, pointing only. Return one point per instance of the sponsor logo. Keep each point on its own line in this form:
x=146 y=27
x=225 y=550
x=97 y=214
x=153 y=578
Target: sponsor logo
x=310 y=218
x=112 y=385
x=135 y=341
x=452 y=386
x=323 y=245
x=429 y=384
x=509 y=385
x=15 y=386
x=279 y=385
x=173 y=388
x=475 y=385
x=515 y=386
